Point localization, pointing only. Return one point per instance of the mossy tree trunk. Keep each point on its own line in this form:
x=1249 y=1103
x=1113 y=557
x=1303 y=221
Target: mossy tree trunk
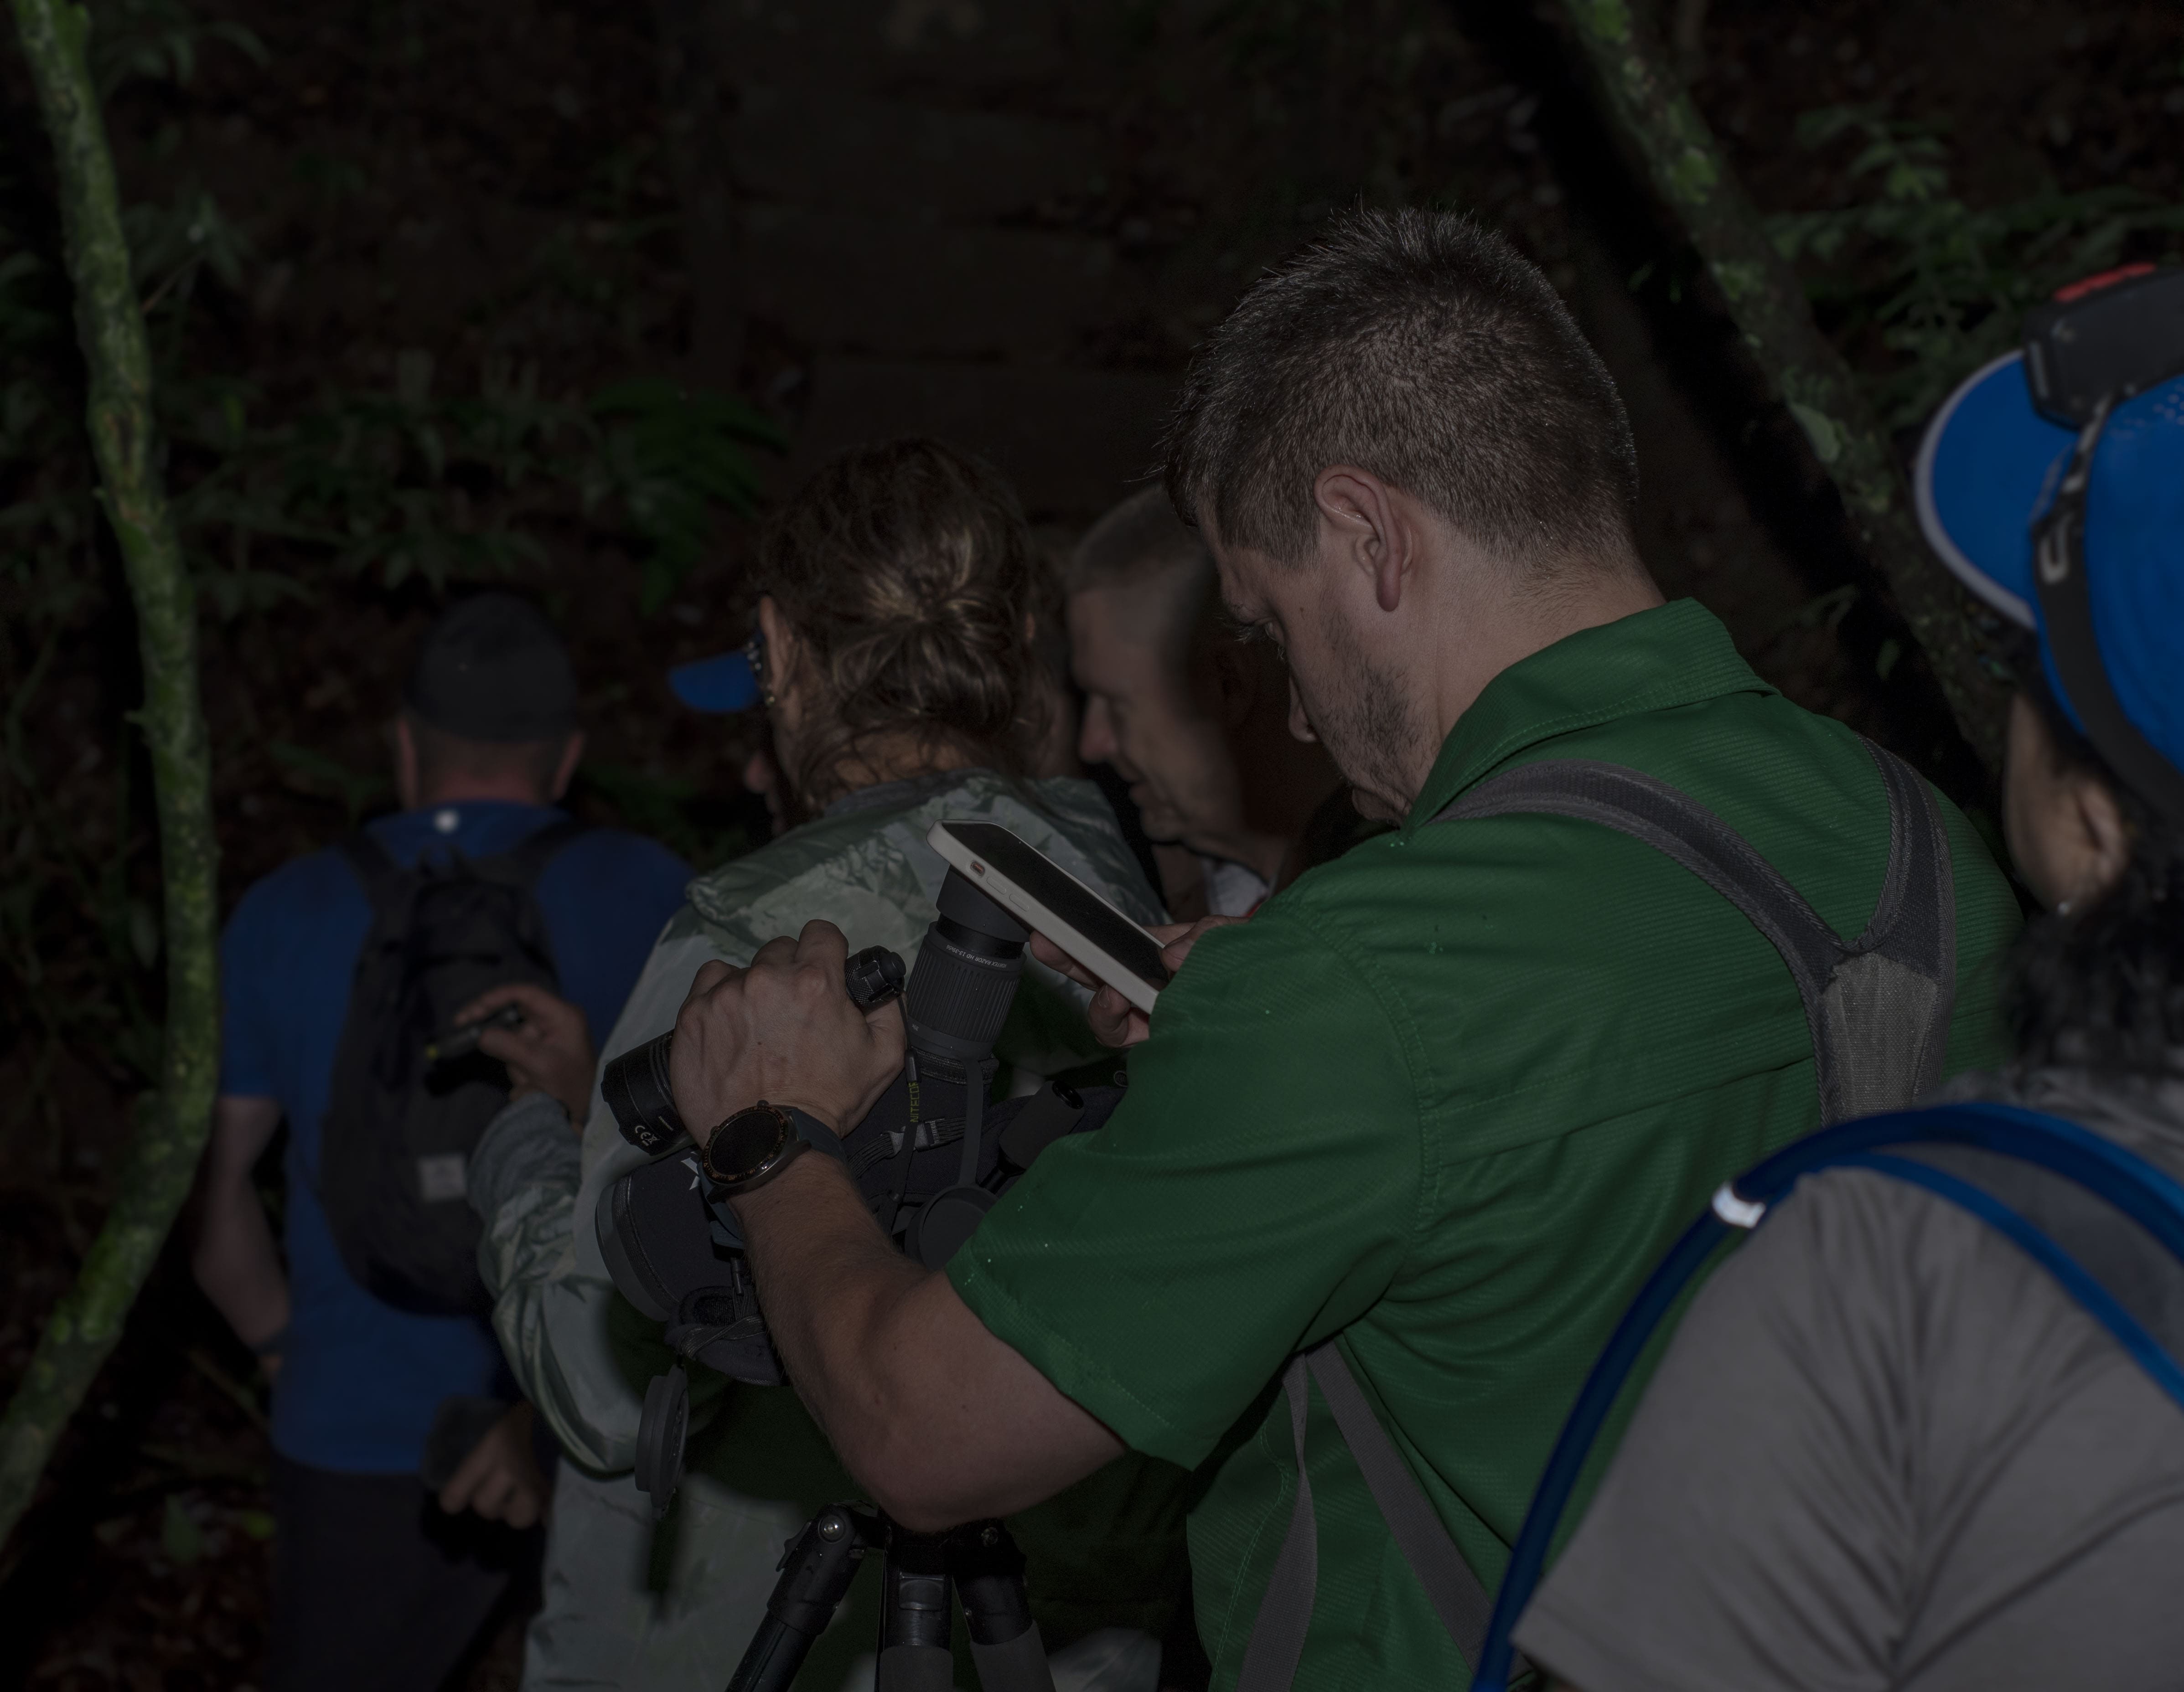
x=1647 y=106
x=171 y=1131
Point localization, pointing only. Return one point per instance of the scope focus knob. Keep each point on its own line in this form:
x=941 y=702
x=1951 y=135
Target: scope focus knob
x=874 y=977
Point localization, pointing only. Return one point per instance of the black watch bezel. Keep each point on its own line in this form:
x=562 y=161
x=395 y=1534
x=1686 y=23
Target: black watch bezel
x=756 y=1161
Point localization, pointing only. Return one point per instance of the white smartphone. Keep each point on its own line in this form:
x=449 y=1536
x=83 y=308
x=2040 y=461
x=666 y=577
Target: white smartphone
x=1040 y=894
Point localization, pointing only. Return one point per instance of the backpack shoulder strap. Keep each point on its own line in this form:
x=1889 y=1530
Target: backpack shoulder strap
x=1672 y=822
x=1892 y=997
x=1459 y=1598
x=386 y=883
x=523 y=863
x=1877 y=1008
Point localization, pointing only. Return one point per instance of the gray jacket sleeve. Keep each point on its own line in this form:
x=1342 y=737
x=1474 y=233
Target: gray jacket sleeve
x=538 y=1186
x=523 y=1182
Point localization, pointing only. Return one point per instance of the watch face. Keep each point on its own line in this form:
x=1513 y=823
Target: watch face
x=747 y=1142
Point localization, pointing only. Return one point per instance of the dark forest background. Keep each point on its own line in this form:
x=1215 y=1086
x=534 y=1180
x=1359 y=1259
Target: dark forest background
x=562 y=293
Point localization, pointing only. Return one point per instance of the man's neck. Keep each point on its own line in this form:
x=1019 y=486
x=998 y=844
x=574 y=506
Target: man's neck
x=482 y=791
x=1480 y=646
x=898 y=757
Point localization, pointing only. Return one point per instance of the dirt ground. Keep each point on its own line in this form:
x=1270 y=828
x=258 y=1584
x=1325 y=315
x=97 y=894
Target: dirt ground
x=1005 y=222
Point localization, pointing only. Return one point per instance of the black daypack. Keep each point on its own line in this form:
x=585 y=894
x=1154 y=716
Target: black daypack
x=394 y=1154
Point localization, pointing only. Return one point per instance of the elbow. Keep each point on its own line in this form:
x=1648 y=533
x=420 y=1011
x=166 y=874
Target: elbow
x=913 y=1482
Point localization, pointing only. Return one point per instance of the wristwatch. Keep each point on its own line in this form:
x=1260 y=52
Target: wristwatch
x=756 y=1143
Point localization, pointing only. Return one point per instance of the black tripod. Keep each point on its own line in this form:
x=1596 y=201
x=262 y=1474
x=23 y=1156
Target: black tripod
x=916 y=1656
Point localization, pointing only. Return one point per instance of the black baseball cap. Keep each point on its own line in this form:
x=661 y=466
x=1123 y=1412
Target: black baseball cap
x=493 y=668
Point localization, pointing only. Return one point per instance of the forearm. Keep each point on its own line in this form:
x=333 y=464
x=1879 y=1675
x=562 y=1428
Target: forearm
x=941 y=1422
x=832 y=1287
x=236 y=1262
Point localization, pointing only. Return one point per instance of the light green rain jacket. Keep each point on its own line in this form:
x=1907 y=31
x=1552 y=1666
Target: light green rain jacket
x=866 y=867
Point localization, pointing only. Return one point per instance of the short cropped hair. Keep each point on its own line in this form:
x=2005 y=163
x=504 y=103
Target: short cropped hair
x=1138 y=539
x=1141 y=545
x=1423 y=348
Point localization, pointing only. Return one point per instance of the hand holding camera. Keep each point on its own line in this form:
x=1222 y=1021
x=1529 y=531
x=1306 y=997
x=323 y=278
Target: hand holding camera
x=785 y=1031
x=542 y=1038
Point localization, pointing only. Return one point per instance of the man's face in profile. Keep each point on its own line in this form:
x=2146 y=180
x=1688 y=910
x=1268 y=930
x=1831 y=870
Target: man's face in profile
x=1338 y=695
x=1142 y=715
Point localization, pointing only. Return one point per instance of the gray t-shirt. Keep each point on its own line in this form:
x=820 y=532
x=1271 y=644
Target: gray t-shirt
x=1885 y=1449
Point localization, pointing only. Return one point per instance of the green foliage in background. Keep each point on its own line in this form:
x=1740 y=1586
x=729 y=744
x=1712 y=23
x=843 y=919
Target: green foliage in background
x=437 y=478
x=1943 y=284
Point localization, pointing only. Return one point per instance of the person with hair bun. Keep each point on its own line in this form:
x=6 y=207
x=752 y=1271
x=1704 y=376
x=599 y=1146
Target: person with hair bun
x=893 y=657
x=1886 y=1448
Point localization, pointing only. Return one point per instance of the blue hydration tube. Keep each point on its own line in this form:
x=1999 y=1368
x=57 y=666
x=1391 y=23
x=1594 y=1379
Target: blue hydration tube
x=2148 y=1196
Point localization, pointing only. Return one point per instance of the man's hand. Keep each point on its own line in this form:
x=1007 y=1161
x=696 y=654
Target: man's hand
x=785 y=1031
x=1115 y=1020
x=550 y=1051
x=500 y=1479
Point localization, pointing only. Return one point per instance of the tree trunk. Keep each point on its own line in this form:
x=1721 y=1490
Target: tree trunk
x=163 y=1154
x=1648 y=108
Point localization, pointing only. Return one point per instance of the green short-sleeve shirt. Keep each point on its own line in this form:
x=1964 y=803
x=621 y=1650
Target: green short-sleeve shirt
x=1451 y=1095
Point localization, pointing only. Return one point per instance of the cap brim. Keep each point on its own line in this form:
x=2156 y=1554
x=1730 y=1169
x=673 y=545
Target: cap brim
x=1984 y=472
x=722 y=685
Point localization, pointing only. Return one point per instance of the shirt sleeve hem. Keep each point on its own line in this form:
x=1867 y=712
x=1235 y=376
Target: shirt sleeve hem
x=1076 y=1376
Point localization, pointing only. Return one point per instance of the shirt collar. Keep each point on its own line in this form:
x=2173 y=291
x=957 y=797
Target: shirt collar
x=1674 y=655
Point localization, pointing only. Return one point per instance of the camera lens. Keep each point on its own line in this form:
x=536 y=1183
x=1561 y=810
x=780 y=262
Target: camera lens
x=636 y=1089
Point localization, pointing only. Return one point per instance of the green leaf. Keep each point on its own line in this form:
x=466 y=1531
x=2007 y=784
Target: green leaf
x=1820 y=429
x=179 y=1536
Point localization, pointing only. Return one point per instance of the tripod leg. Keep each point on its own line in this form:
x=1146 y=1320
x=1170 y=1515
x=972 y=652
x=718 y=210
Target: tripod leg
x=914 y=1655
x=816 y=1570
x=989 y=1572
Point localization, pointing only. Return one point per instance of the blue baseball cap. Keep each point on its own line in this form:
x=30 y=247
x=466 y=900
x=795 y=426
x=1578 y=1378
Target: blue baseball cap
x=1990 y=466
x=722 y=685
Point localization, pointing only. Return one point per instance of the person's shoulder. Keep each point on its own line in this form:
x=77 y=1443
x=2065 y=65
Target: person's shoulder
x=623 y=854
x=300 y=890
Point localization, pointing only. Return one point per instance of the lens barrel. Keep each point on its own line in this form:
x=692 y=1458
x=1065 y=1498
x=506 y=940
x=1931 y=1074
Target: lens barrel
x=636 y=1089
x=966 y=975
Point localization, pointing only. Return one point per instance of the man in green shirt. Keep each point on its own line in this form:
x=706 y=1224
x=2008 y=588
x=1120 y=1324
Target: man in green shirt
x=1449 y=1097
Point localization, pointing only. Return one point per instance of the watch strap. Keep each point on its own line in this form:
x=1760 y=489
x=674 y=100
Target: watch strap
x=802 y=1130
x=815 y=1134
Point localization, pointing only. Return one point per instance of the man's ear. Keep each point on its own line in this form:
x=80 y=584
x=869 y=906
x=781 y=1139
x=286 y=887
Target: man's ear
x=2103 y=846
x=1369 y=527
x=404 y=746
x=565 y=771
x=785 y=652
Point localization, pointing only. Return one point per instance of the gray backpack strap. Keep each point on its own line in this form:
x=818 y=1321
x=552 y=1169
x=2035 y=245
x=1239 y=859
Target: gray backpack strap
x=1877 y=1008
x=1459 y=1598
x=1276 y=1646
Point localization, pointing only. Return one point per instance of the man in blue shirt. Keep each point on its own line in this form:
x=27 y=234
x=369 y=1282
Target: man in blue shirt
x=377 y=1584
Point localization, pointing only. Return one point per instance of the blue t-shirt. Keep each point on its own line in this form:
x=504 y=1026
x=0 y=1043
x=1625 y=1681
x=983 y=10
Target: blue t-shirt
x=359 y=1380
